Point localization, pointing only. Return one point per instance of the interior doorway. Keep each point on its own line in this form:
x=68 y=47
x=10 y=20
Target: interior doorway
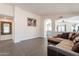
x=47 y=27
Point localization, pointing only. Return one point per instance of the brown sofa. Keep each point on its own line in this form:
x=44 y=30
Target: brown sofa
x=59 y=37
x=64 y=43
x=56 y=51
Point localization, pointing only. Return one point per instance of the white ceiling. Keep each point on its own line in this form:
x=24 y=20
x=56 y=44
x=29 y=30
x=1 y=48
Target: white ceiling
x=47 y=9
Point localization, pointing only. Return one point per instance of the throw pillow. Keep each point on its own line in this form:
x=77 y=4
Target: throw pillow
x=75 y=48
x=72 y=36
x=76 y=39
x=65 y=35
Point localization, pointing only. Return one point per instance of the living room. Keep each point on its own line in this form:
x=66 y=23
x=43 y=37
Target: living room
x=26 y=28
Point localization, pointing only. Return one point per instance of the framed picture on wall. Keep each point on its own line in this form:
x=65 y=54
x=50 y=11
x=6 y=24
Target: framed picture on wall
x=6 y=28
x=31 y=22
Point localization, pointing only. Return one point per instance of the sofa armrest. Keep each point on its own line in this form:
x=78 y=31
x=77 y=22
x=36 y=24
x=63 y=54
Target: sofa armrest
x=55 y=51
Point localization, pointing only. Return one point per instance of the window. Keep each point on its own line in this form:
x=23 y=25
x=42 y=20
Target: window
x=67 y=25
x=60 y=28
x=77 y=27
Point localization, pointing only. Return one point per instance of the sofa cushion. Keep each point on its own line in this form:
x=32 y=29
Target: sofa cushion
x=55 y=39
x=76 y=38
x=65 y=35
x=66 y=44
x=72 y=36
x=75 y=48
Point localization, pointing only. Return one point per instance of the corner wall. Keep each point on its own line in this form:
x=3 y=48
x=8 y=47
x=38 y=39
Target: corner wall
x=20 y=29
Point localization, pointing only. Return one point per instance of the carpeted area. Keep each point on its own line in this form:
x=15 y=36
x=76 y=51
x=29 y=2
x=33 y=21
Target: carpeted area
x=31 y=47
